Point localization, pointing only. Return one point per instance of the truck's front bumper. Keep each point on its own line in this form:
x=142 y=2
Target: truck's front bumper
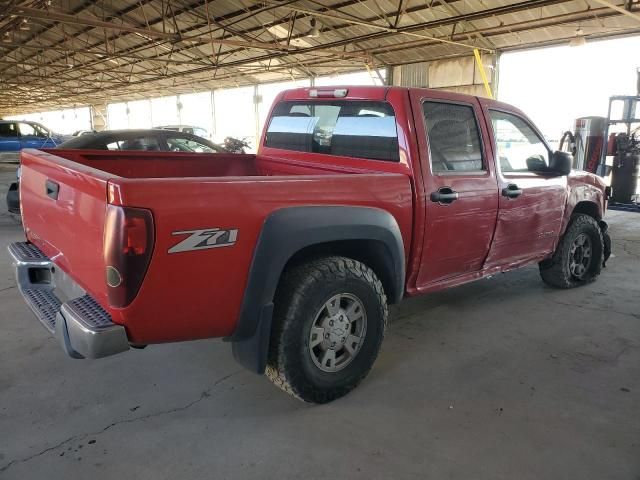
x=82 y=326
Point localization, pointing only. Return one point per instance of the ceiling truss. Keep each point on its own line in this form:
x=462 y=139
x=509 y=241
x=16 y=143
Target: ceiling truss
x=62 y=53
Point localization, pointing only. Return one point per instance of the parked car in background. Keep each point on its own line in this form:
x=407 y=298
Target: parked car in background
x=201 y=132
x=156 y=140
x=77 y=133
x=18 y=134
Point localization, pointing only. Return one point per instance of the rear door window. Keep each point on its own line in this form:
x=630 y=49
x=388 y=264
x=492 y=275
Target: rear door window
x=8 y=130
x=454 y=138
x=341 y=128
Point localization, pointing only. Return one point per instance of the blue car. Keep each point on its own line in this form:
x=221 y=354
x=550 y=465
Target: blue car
x=18 y=134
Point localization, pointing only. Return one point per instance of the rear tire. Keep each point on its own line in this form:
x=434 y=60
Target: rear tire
x=579 y=256
x=329 y=321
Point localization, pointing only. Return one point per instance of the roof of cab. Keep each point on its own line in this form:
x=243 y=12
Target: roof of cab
x=379 y=92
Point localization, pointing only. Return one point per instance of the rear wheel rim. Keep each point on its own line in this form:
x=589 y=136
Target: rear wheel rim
x=580 y=256
x=337 y=333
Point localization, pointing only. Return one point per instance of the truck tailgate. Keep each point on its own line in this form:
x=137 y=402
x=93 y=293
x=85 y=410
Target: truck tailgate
x=63 y=213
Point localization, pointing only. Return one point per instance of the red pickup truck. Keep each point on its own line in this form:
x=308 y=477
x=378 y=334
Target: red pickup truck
x=357 y=197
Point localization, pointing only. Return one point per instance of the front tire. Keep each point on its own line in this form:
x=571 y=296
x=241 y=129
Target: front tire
x=579 y=256
x=329 y=321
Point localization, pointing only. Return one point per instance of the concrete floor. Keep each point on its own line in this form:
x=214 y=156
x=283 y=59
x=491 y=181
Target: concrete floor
x=501 y=379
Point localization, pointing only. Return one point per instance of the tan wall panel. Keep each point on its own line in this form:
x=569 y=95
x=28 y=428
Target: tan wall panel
x=454 y=72
x=489 y=62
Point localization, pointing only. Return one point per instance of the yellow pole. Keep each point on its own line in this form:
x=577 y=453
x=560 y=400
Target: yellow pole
x=485 y=80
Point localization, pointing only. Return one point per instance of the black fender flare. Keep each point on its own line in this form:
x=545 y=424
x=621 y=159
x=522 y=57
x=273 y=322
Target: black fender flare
x=286 y=232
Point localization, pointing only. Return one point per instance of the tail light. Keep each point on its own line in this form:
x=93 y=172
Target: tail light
x=128 y=243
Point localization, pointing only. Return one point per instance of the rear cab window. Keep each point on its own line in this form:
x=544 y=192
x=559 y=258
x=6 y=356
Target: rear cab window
x=360 y=129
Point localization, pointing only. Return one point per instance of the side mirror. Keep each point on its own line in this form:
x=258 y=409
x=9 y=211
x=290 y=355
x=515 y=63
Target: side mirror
x=561 y=162
x=537 y=164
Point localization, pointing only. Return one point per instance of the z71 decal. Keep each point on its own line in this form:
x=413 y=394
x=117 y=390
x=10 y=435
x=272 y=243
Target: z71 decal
x=205 y=238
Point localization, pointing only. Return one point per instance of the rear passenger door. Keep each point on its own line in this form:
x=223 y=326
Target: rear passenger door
x=460 y=183
x=532 y=199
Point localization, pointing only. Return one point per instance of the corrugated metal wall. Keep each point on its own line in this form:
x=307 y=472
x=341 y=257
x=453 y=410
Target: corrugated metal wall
x=412 y=75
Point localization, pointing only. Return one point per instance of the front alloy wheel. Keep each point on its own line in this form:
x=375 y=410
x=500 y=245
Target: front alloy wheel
x=580 y=256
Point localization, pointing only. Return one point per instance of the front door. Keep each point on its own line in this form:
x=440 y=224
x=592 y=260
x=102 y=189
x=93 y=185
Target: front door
x=532 y=199
x=461 y=186
x=34 y=136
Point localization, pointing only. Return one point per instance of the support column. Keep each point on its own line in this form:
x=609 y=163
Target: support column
x=99 y=117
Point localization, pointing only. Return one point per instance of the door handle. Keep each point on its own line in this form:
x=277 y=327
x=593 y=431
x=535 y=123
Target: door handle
x=444 y=195
x=511 y=191
x=52 y=188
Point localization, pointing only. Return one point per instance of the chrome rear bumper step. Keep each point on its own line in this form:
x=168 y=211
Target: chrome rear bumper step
x=44 y=304
x=27 y=253
x=82 y=326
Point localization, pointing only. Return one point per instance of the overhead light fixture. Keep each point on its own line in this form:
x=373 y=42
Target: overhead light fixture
x=7 y=37
x=578 y=40
x=24 y=25
x=315 y=29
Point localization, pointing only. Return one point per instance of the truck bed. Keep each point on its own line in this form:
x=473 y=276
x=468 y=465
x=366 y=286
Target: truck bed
x=184 y=192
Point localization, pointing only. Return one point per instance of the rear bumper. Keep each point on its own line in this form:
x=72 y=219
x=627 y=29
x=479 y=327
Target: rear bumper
x=83 y=328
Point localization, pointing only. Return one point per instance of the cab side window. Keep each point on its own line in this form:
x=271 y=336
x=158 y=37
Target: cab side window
x=31 y=130
x=26 y=130
x=454 y=138
x=8 y=130
x=518 y=147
